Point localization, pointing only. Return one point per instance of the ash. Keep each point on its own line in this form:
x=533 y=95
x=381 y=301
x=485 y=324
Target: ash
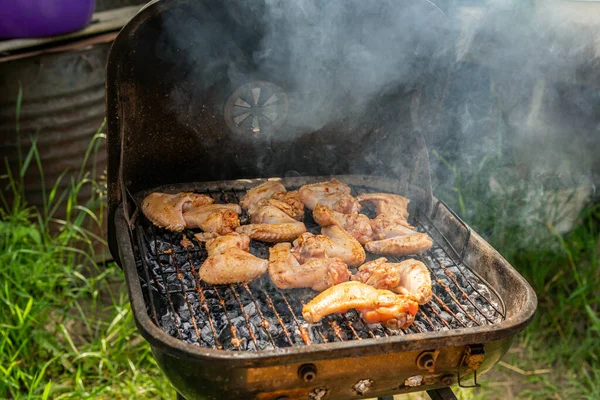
x=258 y=316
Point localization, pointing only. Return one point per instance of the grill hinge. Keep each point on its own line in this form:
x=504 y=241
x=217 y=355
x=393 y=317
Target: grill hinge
x=472 y=359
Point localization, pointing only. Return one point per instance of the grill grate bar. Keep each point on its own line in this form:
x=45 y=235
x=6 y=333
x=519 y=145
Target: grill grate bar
x=461 y=263
x=301 y=329
x=277 y=316
x=264 y=323
x=169 y=300
x=464 y=295
x=276 y=322
x=179 y=274
x=203 y=303
x=447 y=289
x=235 y=341
x=246 y=317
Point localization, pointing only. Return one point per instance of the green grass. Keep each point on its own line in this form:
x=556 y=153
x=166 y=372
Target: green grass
x=66 y=329
x=564 y=270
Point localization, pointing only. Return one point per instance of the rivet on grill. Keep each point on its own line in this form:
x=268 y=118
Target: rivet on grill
x=447 y=380
x=307 y=372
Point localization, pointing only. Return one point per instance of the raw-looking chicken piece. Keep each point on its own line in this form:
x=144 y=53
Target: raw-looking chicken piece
x=333 y=194
x=376 y=305
x=270 y=224
x=263 y=191
x=166 y=210
x=413 y=243
x=292 y=198
x=259 y=205
x=357 y=225
x=386 y=203
x=390 y=225
x=218 y=218
x=316 y=273
x=333 y=242
x=229 y=261
x=409 y=277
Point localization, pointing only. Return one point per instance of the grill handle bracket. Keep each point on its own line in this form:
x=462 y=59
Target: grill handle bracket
x=472 y=359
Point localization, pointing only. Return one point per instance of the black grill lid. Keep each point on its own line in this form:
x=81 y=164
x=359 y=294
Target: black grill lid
x=204 y=90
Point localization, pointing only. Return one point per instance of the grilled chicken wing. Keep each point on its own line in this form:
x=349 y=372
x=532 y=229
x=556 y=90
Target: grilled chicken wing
x=270 y=224
x=259 y=205
x=293 y=200
x=386 y=203
x=263 y=191
x=214 y=218
x=166 y=210
x=375 y=305
x=333 y=242
x=229 y=261
x=409 y=277
x=315 y=273
x=357 y=225
x=390 y=225
x=413 y=243
x=333 y=194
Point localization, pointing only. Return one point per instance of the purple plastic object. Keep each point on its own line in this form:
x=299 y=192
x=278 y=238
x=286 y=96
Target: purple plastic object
x=40 y=18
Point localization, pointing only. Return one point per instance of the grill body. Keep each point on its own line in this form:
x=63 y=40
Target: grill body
x=392 y=364
x=168 y=104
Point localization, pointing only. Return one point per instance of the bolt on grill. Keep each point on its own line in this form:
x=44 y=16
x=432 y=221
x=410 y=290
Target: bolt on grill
x=257 y=315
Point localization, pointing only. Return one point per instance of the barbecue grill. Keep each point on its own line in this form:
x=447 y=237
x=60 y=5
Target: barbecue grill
x=180 y=120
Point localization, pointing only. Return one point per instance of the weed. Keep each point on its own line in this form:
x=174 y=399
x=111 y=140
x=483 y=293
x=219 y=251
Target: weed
x=65 y=333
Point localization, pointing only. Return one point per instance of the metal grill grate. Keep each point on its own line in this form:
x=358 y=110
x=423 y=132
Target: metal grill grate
x=257 y=315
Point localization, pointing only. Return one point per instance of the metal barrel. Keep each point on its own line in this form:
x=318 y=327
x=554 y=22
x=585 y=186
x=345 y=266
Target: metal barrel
x=62 y=108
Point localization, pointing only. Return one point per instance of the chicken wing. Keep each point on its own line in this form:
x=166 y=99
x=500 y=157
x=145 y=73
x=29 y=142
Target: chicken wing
x=376 y=305
x=333 y=194
x=409 y=277
x=229 y=261
x=413 y=243
x=390 y=225
x=166 y=210
x=263 y=191
x=357 y=225
x=287 y=272
x=386 y=203
x=292 y=198
x=333 y=242
x=270 y=224
x=218 y=218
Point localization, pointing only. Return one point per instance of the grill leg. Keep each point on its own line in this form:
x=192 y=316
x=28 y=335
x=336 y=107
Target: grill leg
x=386 y=398
x=180 y=397
x=441 y=394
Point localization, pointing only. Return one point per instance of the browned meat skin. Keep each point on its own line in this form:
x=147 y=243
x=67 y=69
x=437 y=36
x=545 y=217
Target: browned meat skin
x=386 y=203
x=333 y=242
x=166 y=210
x=333 y=194
x=229 y=261
x=315 y=273
x=217 y=218
x=292 y=198
x=413 y=243
x=270 y=224
x=357 y=225
x=409 y=277
x=263 y=191
x=259 y=205
x=375 y=305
